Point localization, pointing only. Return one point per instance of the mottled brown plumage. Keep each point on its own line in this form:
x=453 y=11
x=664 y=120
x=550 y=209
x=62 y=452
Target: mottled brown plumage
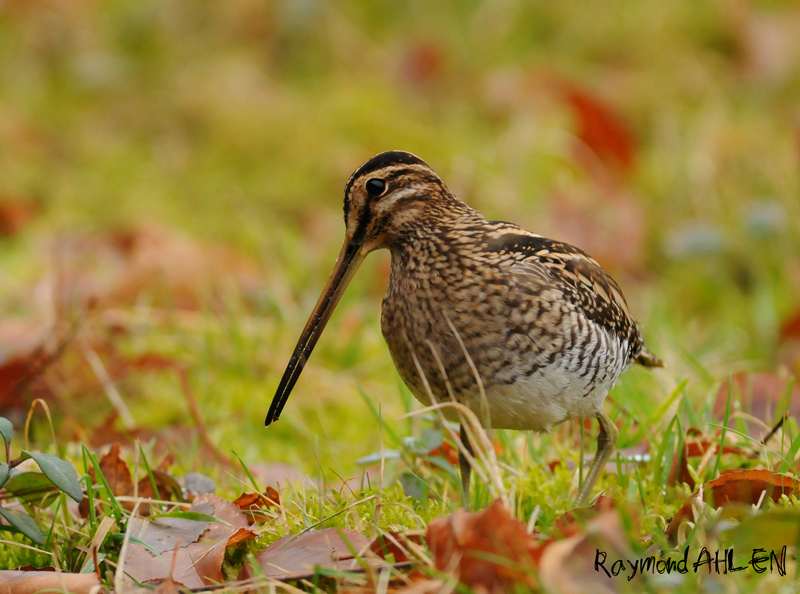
x=525 y=331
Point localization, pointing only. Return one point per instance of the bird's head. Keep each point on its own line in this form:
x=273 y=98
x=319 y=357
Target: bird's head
x=388 y=196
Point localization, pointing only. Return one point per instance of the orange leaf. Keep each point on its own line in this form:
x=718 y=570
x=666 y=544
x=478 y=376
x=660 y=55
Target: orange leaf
x=737 y=486
x=790 y=329
x=465 y=539
x=601 y=129
x=270 y=497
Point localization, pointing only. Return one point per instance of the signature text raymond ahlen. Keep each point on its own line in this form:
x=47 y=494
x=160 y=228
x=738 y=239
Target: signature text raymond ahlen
x=720 y=562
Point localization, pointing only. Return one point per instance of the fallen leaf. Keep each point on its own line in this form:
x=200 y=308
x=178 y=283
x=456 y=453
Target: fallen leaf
x=30 y=582
x=115 y=471
x=294 y=557
x=737 y=486
x=195 y=483
x=568 y=566
x=25 y=349
x=270 y=498
x=196 y=548
x=697 y=444
x=465 y=542
x=118 y=476
x=701 y=446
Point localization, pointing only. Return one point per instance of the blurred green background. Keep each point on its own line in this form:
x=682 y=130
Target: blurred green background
x=661 y=137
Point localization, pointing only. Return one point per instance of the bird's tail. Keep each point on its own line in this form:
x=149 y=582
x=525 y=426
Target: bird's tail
x=648 y=359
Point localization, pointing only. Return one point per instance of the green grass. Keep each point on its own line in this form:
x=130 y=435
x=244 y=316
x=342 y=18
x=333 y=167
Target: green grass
x=240 y=122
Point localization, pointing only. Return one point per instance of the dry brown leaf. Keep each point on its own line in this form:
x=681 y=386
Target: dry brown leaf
x=25 y=350
x=270 y=498
x=196 y=548
x=736 y=486
x=118 y=476
x=567 y=566
x=31 y=582
x=294 y=557
x=460 y=543
x=168 y=586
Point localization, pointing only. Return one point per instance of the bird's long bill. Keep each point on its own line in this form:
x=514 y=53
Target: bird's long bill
x=349 y=260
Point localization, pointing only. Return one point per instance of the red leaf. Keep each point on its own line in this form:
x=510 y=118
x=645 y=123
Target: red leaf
x=790 y=329
x=601 y=129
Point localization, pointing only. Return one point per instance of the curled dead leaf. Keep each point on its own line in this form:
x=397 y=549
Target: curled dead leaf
x=270 y=498
x=488 y=550
x=746 y=487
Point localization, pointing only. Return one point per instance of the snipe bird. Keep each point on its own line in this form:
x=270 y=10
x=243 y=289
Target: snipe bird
x=482 y=312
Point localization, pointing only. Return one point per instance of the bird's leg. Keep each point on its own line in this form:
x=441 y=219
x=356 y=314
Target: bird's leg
x=466 y=469
x=606 y=441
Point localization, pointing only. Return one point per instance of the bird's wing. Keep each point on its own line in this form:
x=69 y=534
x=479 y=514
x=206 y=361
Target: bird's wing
x=567 y=268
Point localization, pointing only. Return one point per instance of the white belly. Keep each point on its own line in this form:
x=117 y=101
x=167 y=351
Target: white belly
x=554 y=394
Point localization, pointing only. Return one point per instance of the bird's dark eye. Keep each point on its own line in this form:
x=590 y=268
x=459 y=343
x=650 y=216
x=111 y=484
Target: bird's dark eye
x=375 y=187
